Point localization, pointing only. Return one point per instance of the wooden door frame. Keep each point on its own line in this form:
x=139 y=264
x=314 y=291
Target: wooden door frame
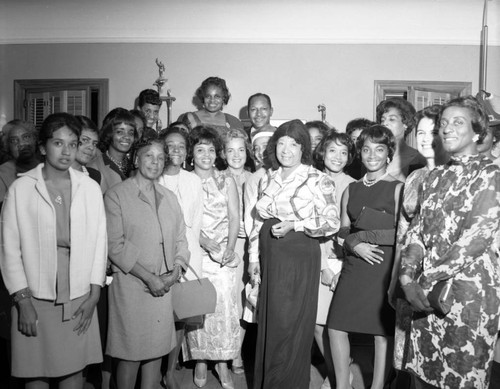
x=23 y=87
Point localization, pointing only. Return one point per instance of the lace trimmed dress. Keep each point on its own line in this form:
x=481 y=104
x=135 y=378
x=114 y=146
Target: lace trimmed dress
x=218 y=337
x=452 y=237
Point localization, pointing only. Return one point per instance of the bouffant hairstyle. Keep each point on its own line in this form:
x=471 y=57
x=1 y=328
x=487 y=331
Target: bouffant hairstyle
x=238 y=134
x=377 y=134
x=333 y=137
x=54 y=122
x=479 y=118
x=149 y=96
x=206 y=135
x=405 y=109
x=112 y=119
x=213 y=81
x=11 y=126
x=296 y=130
x=432 y=112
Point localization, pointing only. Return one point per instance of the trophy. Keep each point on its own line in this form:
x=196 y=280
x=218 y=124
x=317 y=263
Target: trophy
x=163 y=90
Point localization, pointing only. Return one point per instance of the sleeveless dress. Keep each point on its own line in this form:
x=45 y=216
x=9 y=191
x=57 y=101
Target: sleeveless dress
x=231 y=123
x=218 y=337
x=360 y=302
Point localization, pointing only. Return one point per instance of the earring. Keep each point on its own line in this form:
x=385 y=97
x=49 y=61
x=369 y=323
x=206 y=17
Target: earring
x=388 y=160
x=475 y=138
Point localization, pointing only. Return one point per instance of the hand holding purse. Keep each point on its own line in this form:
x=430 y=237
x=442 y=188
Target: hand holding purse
x=441 y=297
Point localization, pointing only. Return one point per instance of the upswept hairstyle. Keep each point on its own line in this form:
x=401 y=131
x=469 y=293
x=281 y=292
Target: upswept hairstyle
x=296 y=130
x=358 y=124
x=13 y=124
x=377 y=134
x=238 y=134
x=405 y=108
x=259 y=95
x=333 y=137
x=215 y=81
x=479 y=117
x=54 y=122
x=149 y=96
x=113 y=118
x=206 y=135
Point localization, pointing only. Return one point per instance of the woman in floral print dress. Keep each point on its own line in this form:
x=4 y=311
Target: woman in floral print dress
x=451 y=237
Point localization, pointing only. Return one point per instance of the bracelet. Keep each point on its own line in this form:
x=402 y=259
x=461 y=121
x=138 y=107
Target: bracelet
x=412 y=282
x=21 y=295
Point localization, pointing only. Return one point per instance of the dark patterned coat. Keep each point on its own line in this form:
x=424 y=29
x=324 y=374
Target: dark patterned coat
x=452 y=237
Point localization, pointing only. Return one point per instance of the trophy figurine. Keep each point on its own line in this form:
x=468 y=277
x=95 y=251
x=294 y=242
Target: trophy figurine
x=163 y=90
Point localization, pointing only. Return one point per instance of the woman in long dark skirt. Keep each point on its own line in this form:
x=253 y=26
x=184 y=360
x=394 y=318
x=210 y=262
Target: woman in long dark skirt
x=296 y=206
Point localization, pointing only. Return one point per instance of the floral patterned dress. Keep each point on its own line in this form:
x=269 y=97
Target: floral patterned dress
x=451 y=237
x=218 y=337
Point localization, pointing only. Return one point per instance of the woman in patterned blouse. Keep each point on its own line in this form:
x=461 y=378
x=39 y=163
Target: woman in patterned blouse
x=296 y=206
x=451 y=238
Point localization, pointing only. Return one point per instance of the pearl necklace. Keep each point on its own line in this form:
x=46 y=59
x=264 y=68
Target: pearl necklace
x=369 y=183
x=121 y=165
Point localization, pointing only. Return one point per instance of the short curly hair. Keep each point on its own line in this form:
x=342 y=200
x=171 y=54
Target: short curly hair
x=206 y=135
x=405 y=108
x=296 y=130
x=377 y=134
x=333 y=137
x=213 y=81
x=479 y=117
x=149 y=96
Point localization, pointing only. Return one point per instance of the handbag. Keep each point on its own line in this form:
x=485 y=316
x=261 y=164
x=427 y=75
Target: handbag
x=441 y=297
x=372 y=219
x=193 y=299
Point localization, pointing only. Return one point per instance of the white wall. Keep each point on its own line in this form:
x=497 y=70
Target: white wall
x=248 y=21
x=297 y=77
x=301 y=52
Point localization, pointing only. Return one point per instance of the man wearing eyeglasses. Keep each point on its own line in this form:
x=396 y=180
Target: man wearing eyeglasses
x=19 y=142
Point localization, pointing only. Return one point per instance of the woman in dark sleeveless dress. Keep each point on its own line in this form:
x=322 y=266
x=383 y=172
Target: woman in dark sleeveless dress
x=368 y=219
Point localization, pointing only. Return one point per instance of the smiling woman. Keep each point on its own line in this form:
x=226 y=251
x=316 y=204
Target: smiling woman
x=141 y=213
x=450 y=239
x=118 y=134
x=213 y=95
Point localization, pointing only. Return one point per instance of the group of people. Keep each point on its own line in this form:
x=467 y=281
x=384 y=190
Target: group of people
x=98 y=225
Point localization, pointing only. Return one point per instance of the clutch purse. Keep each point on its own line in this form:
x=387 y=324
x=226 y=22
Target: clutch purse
x=372 y=219
x=441 y=297
x=192 y=300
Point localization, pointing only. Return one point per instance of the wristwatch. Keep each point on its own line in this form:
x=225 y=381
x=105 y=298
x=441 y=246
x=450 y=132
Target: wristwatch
x=21 y=295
